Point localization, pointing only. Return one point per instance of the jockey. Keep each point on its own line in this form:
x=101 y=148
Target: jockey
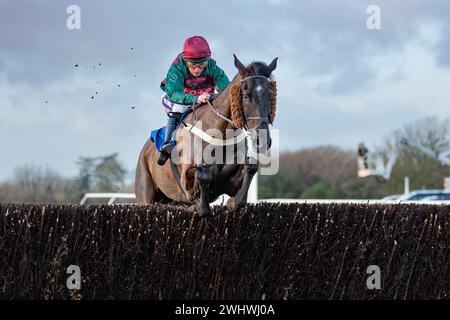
x=191 y=80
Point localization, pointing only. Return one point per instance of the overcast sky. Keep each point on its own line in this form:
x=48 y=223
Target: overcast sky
x=338 y=82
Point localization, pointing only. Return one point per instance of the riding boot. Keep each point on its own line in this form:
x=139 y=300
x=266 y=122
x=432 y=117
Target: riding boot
x=167 y=146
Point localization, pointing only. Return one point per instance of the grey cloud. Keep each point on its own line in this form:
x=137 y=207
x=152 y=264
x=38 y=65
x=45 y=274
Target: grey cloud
x=325 y=35
x=348 y=81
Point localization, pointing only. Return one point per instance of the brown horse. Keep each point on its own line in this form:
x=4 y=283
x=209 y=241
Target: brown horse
x=247 y=103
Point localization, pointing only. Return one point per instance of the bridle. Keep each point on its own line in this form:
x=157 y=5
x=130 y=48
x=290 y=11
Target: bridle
x=259 y=120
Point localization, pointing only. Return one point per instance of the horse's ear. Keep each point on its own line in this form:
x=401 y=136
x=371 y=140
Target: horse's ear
x=272 y=65
x=239 y=64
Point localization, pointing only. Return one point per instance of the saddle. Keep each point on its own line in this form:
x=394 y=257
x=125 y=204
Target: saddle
x=157 y=135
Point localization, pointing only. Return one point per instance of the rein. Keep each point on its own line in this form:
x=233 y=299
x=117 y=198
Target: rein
x=217 y=113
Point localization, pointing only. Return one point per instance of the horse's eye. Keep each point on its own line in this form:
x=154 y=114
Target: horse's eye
x=245 y=96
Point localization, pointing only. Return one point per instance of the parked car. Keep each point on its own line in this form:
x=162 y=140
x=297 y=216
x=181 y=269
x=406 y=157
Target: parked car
x=441 y=197
x=422 y=195
x=391 y=197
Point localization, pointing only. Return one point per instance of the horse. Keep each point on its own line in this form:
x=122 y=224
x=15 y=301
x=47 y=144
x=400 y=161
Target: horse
x=247 y=105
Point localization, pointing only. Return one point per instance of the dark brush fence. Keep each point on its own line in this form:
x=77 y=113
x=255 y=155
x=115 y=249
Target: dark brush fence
x=265 y=251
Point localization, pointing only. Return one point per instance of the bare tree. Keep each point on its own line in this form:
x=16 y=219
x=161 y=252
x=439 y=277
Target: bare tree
x=321 y=170
x=36 y=185
x=103 y=173
x=430 y=132
x=424 y=171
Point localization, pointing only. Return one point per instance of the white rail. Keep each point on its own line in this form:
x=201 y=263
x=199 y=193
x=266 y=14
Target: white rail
x=358 y=201
x=111 y=196
x=223 y=199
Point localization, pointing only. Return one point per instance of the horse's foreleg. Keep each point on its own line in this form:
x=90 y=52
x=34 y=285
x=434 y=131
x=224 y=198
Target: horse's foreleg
x=184 y=182
x=203 y=174
x=144 y=188
x=240 y=198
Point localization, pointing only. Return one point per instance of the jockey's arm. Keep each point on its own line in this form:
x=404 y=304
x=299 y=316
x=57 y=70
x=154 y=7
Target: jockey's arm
x=220 y=79
x=175 y=88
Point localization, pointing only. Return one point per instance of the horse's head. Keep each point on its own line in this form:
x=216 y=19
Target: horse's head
x=253 y=101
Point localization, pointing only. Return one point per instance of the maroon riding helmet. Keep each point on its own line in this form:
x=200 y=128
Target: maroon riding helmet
x=196 y=50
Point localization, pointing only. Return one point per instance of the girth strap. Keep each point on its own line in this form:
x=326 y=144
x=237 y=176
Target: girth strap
x=175 y=173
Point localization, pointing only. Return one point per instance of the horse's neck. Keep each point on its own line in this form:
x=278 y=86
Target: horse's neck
x=221 y=104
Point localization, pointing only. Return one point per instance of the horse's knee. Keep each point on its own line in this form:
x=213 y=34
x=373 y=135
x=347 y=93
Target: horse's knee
x=251 y=168
x=204 y=174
